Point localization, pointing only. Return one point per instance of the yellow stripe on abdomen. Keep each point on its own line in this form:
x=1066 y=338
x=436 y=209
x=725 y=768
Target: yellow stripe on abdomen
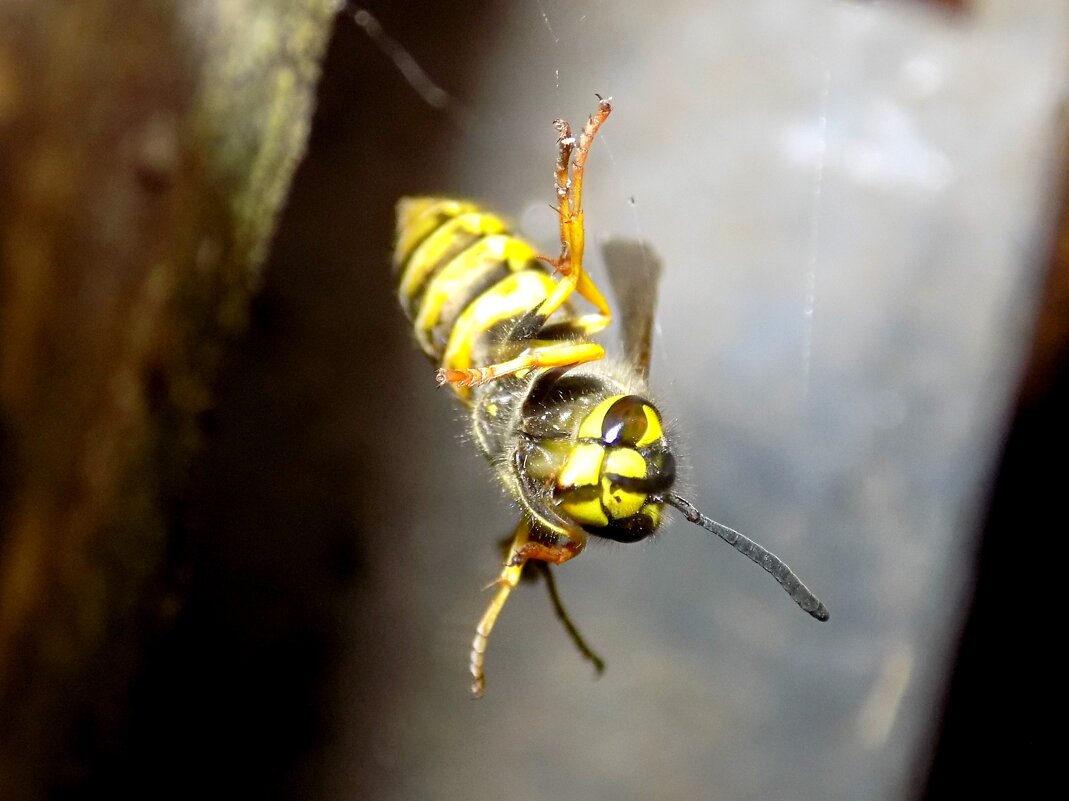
x=456 y=285
x=512 y=296
x=419 y=217
x=462 y=274
x=439 y=249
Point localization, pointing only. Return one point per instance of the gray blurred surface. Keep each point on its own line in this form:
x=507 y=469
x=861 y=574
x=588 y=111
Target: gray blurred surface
x=850 y=200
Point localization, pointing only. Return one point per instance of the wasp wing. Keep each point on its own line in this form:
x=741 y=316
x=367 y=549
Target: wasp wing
x=635 y=275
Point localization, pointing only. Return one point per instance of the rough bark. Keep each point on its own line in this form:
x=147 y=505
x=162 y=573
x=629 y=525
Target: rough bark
x=146 y=148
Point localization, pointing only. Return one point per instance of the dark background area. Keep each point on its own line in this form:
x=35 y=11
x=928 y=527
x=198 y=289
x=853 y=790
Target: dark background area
x=998 y=708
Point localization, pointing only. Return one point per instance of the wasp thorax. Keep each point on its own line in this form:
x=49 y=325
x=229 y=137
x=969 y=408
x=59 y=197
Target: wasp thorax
x=614 y=474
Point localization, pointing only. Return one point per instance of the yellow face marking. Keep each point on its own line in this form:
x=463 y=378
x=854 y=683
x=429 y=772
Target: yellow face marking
x=583 y=467
x=590 y=428
x=621 y=503
x=625 y=462
x=585 y=513
x=653 y=512
x=588 y=465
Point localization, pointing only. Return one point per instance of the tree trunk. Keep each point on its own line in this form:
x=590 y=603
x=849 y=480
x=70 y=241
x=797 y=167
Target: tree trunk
x=146 y=148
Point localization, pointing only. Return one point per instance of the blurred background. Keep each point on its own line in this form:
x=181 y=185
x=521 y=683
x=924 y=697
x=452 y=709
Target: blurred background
x=858 y=205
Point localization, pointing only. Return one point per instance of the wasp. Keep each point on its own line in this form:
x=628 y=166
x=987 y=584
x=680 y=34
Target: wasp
x=573 y=438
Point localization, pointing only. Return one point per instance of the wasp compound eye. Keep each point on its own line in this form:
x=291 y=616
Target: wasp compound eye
x=623 y=420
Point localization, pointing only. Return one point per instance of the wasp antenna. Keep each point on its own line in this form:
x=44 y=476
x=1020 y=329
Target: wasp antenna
x=771 y=563
x=431 y=93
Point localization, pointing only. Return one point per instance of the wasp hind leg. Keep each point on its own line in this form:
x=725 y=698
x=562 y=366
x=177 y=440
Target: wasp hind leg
x=569 y=187
x=557 y=549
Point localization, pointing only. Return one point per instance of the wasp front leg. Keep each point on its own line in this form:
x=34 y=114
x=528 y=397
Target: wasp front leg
x=568 y=354
x=547 y=548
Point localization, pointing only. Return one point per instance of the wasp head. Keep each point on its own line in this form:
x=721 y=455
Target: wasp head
x=614 y=475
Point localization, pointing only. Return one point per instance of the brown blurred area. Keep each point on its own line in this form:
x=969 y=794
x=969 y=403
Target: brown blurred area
x=145 y=151
x=211 y=432
x=1050 y=349
x=1003 y=671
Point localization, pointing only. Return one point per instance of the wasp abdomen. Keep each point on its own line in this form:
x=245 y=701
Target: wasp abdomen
x=463 y=277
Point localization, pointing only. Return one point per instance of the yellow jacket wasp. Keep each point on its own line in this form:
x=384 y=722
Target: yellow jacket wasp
x=574 y=439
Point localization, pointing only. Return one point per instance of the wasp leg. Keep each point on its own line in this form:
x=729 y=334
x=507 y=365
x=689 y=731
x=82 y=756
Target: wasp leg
x=567 y=354
x=569 y=187
x=580 y=644
x=557 y=552
x=533 y=570
x=510 y=577
x=555 y=548
x=574 y=279
x=506 y=583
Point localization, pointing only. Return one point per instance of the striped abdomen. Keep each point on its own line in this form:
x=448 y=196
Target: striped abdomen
x=463 y=274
